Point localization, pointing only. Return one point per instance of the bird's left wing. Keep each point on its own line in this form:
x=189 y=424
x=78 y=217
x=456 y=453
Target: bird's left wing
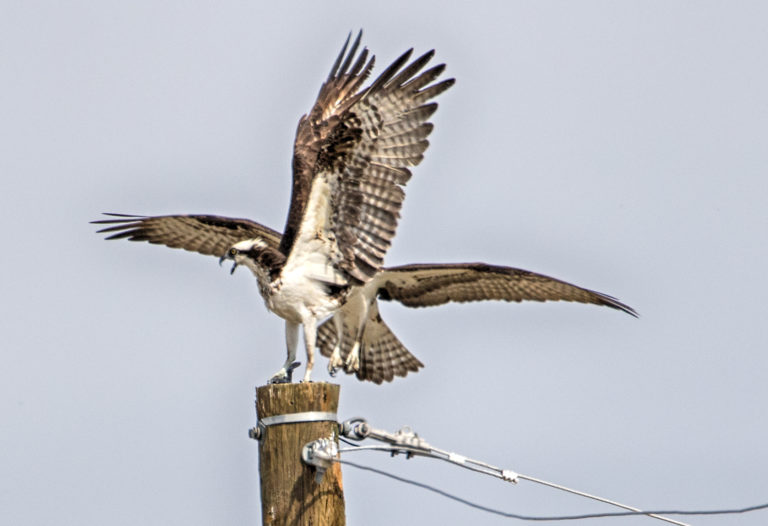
x=351 y=159
x=426 y=285
x=207 y=234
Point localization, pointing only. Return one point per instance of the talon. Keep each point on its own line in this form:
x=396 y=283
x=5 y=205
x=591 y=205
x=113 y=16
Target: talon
x=293 y=366
x=352 y=366
x=353 y=360
x=280 y=377
x=335 y=363
x=284 y=376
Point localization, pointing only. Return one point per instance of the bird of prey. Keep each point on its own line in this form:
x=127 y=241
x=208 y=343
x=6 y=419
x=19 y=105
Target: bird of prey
x=351 y=159
x=367 y=347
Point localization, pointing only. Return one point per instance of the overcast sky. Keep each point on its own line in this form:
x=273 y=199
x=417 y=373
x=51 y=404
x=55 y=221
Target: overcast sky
x=620 y=146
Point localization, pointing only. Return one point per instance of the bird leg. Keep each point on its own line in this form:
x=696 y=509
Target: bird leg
x=310 y=338
x=336 y=362
x=285 y=374
x=353 y=358
x=353 y=318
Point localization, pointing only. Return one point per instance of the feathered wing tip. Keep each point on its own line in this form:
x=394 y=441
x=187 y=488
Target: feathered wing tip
x=382 y=355
x=610 y=301
x=335 y=68
x=344 y=80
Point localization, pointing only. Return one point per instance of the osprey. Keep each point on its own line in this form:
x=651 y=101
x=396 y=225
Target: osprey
x=356 y=338
x=351 y=159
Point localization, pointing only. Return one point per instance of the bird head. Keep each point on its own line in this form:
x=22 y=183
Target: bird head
x=244 y=253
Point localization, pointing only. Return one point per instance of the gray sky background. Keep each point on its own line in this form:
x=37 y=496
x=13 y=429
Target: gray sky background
x=617 y=145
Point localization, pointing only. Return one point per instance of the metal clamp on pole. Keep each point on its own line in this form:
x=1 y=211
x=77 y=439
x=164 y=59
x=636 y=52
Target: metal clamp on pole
x=257 y=433
x=320 y=453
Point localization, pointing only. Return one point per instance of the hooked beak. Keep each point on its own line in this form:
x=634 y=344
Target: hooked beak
x=225 y=257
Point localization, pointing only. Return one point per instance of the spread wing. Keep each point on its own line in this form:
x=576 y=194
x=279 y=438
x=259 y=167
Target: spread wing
x=206 y=234
x=383 y=356
x=427 y=285
x=351 y=159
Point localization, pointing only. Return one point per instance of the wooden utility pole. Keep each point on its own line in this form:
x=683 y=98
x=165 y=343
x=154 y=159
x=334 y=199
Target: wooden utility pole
x=290 y=495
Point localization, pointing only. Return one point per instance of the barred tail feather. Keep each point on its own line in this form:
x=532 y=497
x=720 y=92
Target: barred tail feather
x=382 y=355
x=326 y=338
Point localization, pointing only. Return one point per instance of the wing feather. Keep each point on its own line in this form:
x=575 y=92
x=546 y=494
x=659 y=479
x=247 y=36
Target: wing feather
x=361 y=144
x=206 y=234
x=428 y=285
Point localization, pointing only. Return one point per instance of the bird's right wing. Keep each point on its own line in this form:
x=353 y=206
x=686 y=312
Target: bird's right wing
x=425 y=285
x=206 y=234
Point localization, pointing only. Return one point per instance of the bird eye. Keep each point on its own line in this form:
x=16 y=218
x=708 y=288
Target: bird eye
x=233 y=252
